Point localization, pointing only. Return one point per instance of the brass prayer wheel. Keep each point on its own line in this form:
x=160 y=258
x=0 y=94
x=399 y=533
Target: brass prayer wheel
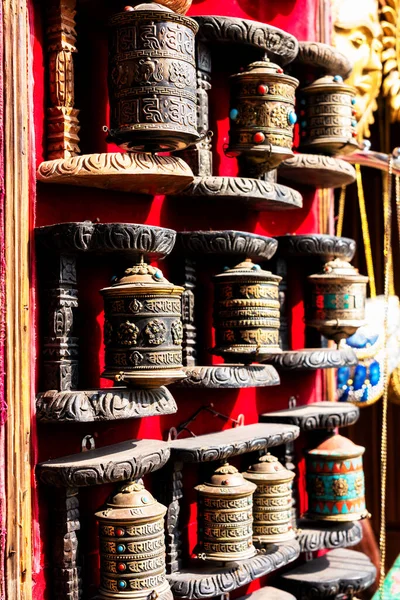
x=335 y=481
x=328 y=123
x=152 y=79
x=337 y=305
x=272 y=500
x=262 y=116
x=226 y=516
x=132 y=546
x=143 y=328
x=246 y=311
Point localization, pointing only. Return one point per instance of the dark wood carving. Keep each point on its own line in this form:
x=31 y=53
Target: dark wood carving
x=340 y=571
x=281 y=270
x=232 y=442
x=230 y=376
x=279 y=45
x=67 y=580
x=326 y=59
x=129 y=238
x=171 y=496
x=103 y=405
x=203 y=581
x=320 y=415
x=188 y=307
x=319 y=536
x=254 y=194
x=229 y=242
x=317 y=171
x=60 y=346
x=310 y=359
x=319 y=245
x=112 y=464
x=268 y=593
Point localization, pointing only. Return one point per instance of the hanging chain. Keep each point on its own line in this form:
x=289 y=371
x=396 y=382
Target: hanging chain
x=342 y=201
x=386 y=256
x=365 y=233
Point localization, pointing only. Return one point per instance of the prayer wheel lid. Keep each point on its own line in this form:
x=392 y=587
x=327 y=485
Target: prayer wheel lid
x=337 y=446
x=339 y=269
x=147 y=6
x=131 y=497
x=180 y=6
x=226 y=477
x=142 y=277
x=264 y=68
x=329 y=83
x=267 y=469
x=247 y=267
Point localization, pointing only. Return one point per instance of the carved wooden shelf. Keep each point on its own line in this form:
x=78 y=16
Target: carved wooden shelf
x=204 y=580
x=129 y=238
x=319 y=536
x=110 y=464
x=254 y=194
x=317 y=171
x=325 y=59
x=232 y=442
x=229 y=242
x=339 y=572
x=279 y=45
x=268 y=593
x=123 y=172
x=319 y=415
x=103 y=405
x=310 y=359
x=230 y=376
x=319 y=245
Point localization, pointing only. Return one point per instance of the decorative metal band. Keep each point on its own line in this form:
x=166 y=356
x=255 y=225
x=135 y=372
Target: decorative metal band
x=271 y=503
x=145 y=548
x=224 y=533
x=143 y=360
x=131 y=531
x=332 y=487
x=150 y=567
x=227 y=548
x=260 y=530
x=269 y=490
x=226 y=517
x=272 y=517
x=227 y=503
x=132 y=583
x=144 y=307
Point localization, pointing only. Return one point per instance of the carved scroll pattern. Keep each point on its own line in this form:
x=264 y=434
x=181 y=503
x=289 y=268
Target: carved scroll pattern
x=188 y=307
x=63 y=124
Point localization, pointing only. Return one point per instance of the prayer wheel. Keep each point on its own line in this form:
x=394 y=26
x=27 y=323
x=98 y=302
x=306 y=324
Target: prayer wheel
x=132 y=546
x=226 y=517
x=143 y=328
x=152 y=79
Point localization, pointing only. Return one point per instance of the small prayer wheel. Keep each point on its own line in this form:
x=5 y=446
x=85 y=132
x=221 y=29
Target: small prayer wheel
x=226 y=517
x=143 y=328
x=132 y=546
x=335 y=481
x=262 y=116
x=246 y=311
x=152 y=79
x=272 y=500
x=328 y=120
x=337 y=303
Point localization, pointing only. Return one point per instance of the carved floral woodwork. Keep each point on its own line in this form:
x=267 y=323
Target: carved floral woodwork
x=357 y=33
x=62 y=116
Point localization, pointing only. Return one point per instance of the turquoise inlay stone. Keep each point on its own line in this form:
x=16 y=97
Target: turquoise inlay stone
x=120 y=548
x=122 y=584
x=158 y=275
x=234 y=114
x=256 y=268
x=292 y=118
x=354 y=123
x=304 y=123
x=338 y=79
x=330 y=301
x=353 y=101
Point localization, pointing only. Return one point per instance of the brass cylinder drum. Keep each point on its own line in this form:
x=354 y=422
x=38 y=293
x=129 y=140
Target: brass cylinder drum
x=337 y=303
x=225 y=517
x=262 y=116
x=246 y=311
x=143 y=329
x=152 y=79
x=328 y=123
x=272 y=500
x=335 y=481
x=132 y=546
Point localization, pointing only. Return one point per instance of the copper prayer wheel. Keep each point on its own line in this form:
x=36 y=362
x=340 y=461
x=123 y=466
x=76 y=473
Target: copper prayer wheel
x=152 y=79
x=246 y=311
x=143 y=328
x=132 y=546
x=328 y=123
x=335 y=481
x=337 y=305
x=272 y=500
x=225 y=521
x=262 y=116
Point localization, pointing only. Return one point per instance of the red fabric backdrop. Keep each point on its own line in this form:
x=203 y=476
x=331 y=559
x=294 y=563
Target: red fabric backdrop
x=58 y=204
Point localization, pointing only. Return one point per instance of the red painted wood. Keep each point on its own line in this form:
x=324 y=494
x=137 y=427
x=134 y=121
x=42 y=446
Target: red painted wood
x=57 y=204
